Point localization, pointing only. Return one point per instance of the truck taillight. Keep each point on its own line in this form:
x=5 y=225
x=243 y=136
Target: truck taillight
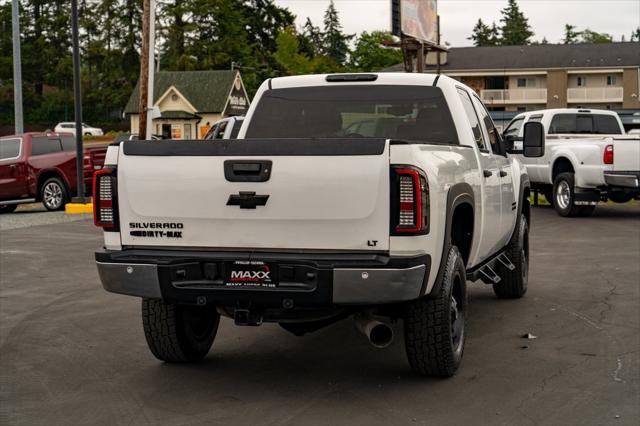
x=105 y=200
x=409 y=201
x=607 y=157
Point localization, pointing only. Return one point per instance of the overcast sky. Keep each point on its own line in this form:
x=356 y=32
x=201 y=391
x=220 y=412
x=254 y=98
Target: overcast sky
x=457 y=17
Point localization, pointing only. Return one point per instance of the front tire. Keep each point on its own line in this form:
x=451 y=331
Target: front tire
x=434 y=326
x=178 y=333
x=53 y=194
x=513 y=283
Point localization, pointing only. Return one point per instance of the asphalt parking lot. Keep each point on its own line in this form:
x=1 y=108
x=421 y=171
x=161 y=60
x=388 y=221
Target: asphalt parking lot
x=70 y=353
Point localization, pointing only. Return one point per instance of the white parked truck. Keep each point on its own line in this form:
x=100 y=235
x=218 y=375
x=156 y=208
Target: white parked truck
x=301 y=223
x=588 y=158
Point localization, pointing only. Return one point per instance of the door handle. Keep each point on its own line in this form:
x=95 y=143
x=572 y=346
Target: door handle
x=487 y=173
x=503 y=173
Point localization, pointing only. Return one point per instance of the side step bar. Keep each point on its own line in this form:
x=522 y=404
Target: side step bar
x=486 y=272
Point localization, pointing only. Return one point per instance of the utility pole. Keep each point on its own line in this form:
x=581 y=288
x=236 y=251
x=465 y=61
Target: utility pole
x=17 y=68
x=77 y=100
x=144 y=71
x=151 y=68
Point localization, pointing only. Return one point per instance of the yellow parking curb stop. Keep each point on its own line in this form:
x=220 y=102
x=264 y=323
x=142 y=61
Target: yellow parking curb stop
x=77 y=208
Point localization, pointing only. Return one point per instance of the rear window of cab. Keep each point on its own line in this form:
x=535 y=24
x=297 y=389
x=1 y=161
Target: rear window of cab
x=413 y=113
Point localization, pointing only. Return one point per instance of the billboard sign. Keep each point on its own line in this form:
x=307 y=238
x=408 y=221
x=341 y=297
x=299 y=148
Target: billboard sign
x=415 y=18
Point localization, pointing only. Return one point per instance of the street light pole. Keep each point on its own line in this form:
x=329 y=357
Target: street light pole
x=17 y=68
x=151 y=67
x=77 y=100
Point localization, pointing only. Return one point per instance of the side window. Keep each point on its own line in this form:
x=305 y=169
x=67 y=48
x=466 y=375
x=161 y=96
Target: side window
x=606 y=124
x=68 y=143
x=489 y=127
x=41 y=145
x=513 y=129
x=220 y=132
x=9 y=148
x=473 y=119
x=210 y=132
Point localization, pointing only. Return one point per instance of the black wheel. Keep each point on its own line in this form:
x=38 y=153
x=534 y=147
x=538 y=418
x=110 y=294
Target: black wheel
x=564 y=196
x=513 y=283
x=178 y=333
x=53 y=194
x=434 y=326
x=8 y=208
x=87 y=134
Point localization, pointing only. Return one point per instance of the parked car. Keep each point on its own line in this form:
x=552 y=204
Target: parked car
x=87 y=130
x=298 y=226
x=588 y=158
x=227 y=128
x=42 y=167
x=134 y=136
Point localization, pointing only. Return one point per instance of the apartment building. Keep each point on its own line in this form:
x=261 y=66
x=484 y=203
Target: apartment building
x=522 y=78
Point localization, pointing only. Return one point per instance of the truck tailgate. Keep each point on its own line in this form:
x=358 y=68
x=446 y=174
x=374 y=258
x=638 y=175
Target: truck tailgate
x=322 y=194
x=626 y=151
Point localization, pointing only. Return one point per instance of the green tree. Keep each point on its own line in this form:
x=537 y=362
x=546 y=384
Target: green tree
x=571 y=36
x=635 y=35
x=515 y=29
x=588 y=36
x=336 y=43
x=370 y=54
x=311 y=39
x=484 y=35
x=288 y=56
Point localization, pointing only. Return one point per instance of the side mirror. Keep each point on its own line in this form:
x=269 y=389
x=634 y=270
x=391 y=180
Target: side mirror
x=533 y=139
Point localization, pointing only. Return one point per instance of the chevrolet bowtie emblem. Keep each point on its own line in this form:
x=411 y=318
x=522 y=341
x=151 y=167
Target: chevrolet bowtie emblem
x=247 y=200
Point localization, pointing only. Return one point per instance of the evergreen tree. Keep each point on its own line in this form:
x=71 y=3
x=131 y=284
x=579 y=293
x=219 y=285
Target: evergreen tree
x=335 y=41
x=570 y=34
x=515 y=29
x=635 y=36
x=483 y=35
x=311 y=39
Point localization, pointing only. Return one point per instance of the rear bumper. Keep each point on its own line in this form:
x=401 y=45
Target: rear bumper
x=305 y=280
x=622 y=179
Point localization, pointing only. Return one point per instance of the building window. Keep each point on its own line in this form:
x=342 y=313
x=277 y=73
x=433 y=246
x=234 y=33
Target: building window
x=582 y=81
x=522 y=82
x=187 y=131
x=521 y=109
x=611 y=80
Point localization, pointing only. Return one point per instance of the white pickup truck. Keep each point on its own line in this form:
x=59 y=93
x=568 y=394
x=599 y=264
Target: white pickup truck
x=588 y=158
x=302 y=223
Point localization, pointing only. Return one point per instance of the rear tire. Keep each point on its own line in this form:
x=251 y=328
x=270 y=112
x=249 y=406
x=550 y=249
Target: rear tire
x=178 y=333
x=9 y=208
x=564 y=196
x=434 y=326
x=54 y=194
x=513 y=284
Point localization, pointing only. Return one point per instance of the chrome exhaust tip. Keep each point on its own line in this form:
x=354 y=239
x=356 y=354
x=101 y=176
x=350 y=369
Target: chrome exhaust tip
x=379 y=334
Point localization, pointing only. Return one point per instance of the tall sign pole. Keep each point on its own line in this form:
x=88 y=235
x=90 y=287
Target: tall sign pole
x=151 y=67
x=17 y=68
x=144 y=71
x=77 y=100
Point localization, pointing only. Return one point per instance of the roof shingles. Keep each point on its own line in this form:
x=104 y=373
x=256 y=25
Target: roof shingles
x=540 y=56
x=207 y=91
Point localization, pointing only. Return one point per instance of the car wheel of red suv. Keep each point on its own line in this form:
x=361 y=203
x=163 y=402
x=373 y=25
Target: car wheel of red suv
x=53 y=194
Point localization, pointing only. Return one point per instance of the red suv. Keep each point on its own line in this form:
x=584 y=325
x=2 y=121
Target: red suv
x=42 y=167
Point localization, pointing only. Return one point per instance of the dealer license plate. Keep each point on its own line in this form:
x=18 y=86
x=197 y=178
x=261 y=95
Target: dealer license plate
x=251 y=274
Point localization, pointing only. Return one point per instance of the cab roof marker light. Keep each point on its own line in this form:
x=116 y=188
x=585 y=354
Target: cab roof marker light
x=342 y=78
